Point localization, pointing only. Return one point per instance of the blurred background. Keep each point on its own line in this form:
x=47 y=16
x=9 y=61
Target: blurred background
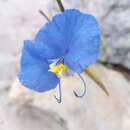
x=21 y=109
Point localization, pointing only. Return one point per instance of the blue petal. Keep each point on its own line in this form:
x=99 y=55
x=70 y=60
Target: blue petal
x=74 y=36
x=34 y=72
x=52 y=37
x=84 y=44
x=41 y=50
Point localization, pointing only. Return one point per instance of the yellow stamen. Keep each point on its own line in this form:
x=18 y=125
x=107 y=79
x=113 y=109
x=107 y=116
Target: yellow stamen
x=59 y=70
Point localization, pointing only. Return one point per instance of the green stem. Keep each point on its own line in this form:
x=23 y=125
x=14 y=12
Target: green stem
x=60 y=5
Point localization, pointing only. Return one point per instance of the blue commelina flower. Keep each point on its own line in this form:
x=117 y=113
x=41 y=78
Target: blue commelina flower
x=71 y=37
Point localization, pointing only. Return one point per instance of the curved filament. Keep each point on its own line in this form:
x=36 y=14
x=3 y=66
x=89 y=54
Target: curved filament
x=84 y=91
x=59 y=99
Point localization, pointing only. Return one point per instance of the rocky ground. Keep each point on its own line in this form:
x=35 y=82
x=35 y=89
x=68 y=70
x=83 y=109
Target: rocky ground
x=21 y=109
x=26 y=110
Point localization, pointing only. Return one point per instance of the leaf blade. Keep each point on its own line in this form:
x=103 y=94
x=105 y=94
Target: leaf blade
x=95 y=78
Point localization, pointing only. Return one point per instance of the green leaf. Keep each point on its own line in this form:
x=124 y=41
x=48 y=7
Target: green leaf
x=94 y=77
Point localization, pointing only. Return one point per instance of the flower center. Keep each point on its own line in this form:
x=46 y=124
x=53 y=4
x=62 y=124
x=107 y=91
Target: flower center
x=59 y=69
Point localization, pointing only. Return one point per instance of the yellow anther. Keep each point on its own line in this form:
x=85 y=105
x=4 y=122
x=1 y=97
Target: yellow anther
x=59 y=70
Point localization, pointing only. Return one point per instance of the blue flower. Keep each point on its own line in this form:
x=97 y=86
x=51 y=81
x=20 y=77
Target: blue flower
x=71 y=37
